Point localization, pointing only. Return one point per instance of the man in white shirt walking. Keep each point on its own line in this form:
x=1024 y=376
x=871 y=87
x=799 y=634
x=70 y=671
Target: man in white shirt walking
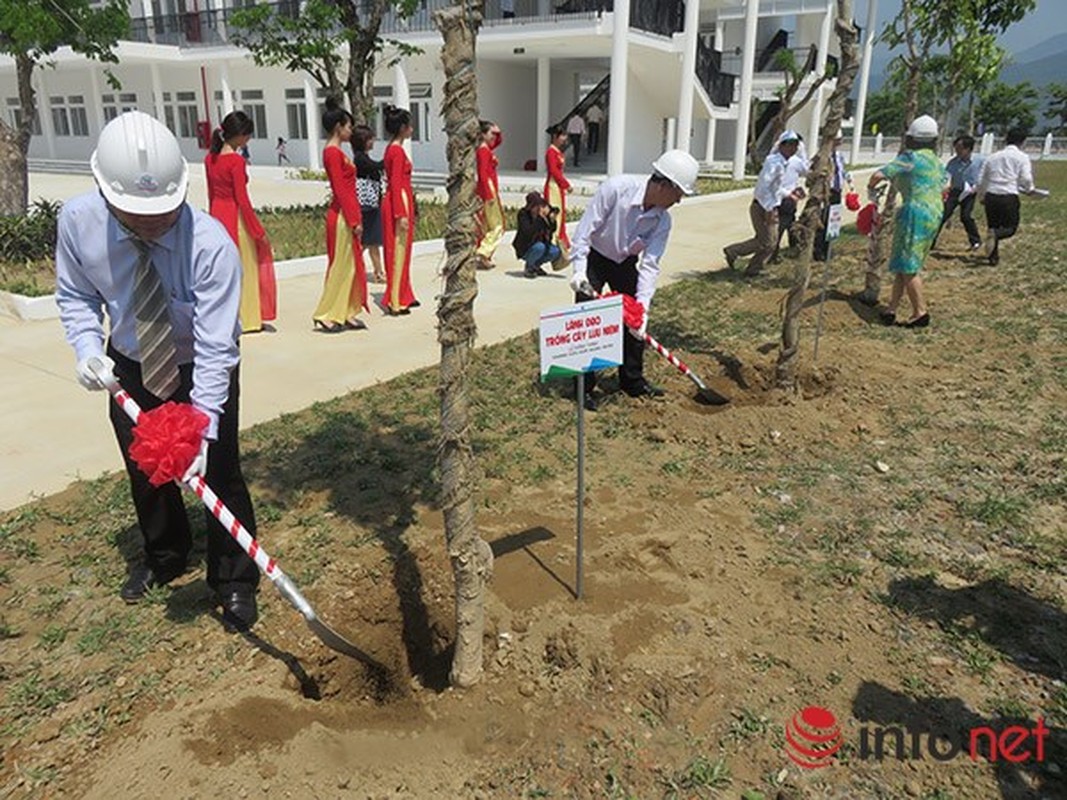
x=594 y=117
x=764 y=208
x=575 y=131
x=1004 y=176
x=620 y=239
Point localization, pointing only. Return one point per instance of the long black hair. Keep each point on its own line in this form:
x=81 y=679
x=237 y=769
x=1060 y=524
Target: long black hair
x=334 y=115
x=361 y=136
x=234 y=124
x=395 y=119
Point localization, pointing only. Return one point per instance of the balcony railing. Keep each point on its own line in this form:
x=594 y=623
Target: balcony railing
x=718 y=84
x=212 y=28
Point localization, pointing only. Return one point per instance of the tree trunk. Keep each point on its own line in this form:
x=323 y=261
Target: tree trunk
x=810 y=224
x=15 y=144
x=362 y=55
x=472 y=560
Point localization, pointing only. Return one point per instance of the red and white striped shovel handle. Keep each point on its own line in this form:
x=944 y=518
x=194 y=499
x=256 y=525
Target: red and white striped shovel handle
x=673 y=359
x=267 y=565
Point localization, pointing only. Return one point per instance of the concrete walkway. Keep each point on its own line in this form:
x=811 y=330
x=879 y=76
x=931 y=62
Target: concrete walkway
x=55 y=432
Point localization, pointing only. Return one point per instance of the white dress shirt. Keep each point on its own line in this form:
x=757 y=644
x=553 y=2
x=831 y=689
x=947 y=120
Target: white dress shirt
x=795 y=168
x=1007 y=171
x=576 y=125
x=769 y=186
x=200 y=271
x=617 y=225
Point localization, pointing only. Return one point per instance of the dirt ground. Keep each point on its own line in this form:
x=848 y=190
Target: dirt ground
x=887 y=544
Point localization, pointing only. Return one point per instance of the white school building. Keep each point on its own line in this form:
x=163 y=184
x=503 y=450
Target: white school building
x=666 y=73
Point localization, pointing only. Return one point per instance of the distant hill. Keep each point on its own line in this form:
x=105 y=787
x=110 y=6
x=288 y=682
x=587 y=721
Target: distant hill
x=1054 y=46
x=1039 y=72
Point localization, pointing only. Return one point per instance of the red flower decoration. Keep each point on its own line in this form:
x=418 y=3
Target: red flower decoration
x=166 y=440
x=867 y=219
x=852 y=201
x=633 y=312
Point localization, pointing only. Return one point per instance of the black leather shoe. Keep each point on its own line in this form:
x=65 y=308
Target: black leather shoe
x=138 y=582
x=239 y=611
x=644 y=389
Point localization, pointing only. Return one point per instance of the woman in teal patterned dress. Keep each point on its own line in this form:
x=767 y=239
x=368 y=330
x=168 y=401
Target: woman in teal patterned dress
x=918 y=175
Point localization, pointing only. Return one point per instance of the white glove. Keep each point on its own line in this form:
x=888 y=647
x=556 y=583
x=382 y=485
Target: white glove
x=199 y=466
x=580 y=284
x=639 y=333
x=88 y=378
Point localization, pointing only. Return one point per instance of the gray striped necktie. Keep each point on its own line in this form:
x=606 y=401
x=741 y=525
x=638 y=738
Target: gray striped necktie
x=159 y=357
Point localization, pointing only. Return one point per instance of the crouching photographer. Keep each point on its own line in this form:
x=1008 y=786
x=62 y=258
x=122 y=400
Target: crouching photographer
x=533 y=237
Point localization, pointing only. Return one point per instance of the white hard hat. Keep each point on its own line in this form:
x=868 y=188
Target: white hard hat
x=680 y=167
x=789 y=135
x=924 y=127
x=138 y=165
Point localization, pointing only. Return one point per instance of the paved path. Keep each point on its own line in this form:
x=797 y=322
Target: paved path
x=56 y=432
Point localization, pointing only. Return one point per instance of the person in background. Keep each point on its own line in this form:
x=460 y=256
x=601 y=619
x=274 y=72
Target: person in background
x=763 y=211
x=398 y=215
x=491 y=225
x=619 y=241
x=557 y=187
x=228 y=202
x=964 y=171
x=594 y=117
x=344 y=292
x=533 y=236
x=280 y=150
x=168 y=277
x=839 y=178
x=918 y=175
x=796 y=167
x=369 y=193
x=575 y=132
x=1005 y=175
x=246 y=154
x=507 y=9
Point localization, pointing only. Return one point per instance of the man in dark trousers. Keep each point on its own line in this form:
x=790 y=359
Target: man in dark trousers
x=964 y=170
x=169 y=278
x=1005 y=175
x=620 y=239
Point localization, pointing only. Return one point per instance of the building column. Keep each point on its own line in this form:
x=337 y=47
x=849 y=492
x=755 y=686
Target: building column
x=44 y=111
x=157 y=92
x=617 y=92
x=672 y=132
x=311 y=111
x=544 y=76
x=689 y=75
x=150 y=28
x=820 y=69
x=865 y=78
x=748 y=67
x=402 y=96
x=96 y=103
x=709 y=147
x=227 y=93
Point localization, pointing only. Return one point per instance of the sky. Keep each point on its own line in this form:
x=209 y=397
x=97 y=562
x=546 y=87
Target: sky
x=1048 y=19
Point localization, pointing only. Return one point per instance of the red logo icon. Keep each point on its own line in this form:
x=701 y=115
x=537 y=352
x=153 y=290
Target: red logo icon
x=812 y=737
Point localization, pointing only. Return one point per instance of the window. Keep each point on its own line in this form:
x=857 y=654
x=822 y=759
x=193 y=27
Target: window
x=14 y=114
x=60 y=119
x=79 y=121
x=187 y=114
x=383 y=96
x=295 y=114
x=252 y=104
x=420 y=94
x=114 y=105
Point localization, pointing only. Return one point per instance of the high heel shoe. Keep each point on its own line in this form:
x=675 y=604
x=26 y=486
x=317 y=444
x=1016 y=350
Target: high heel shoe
x=355 y=325
x=397 y=312
x=919 y=322
x=335 y=327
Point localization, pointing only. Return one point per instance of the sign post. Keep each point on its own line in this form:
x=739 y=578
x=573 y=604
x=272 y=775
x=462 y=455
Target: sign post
x=833 y=230
x=577 y=339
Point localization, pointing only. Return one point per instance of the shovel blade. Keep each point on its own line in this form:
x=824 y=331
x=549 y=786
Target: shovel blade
x=336 y=641
x=709 y=397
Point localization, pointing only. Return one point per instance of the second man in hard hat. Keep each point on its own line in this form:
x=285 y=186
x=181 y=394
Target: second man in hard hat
x=619 y=241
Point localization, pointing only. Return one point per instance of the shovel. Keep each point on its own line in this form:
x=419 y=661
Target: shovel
x=266 y=564
x=705 y=396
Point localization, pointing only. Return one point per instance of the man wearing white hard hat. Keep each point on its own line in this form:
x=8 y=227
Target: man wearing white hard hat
x=763 y=211
x=168 y=277
x=619 y=241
